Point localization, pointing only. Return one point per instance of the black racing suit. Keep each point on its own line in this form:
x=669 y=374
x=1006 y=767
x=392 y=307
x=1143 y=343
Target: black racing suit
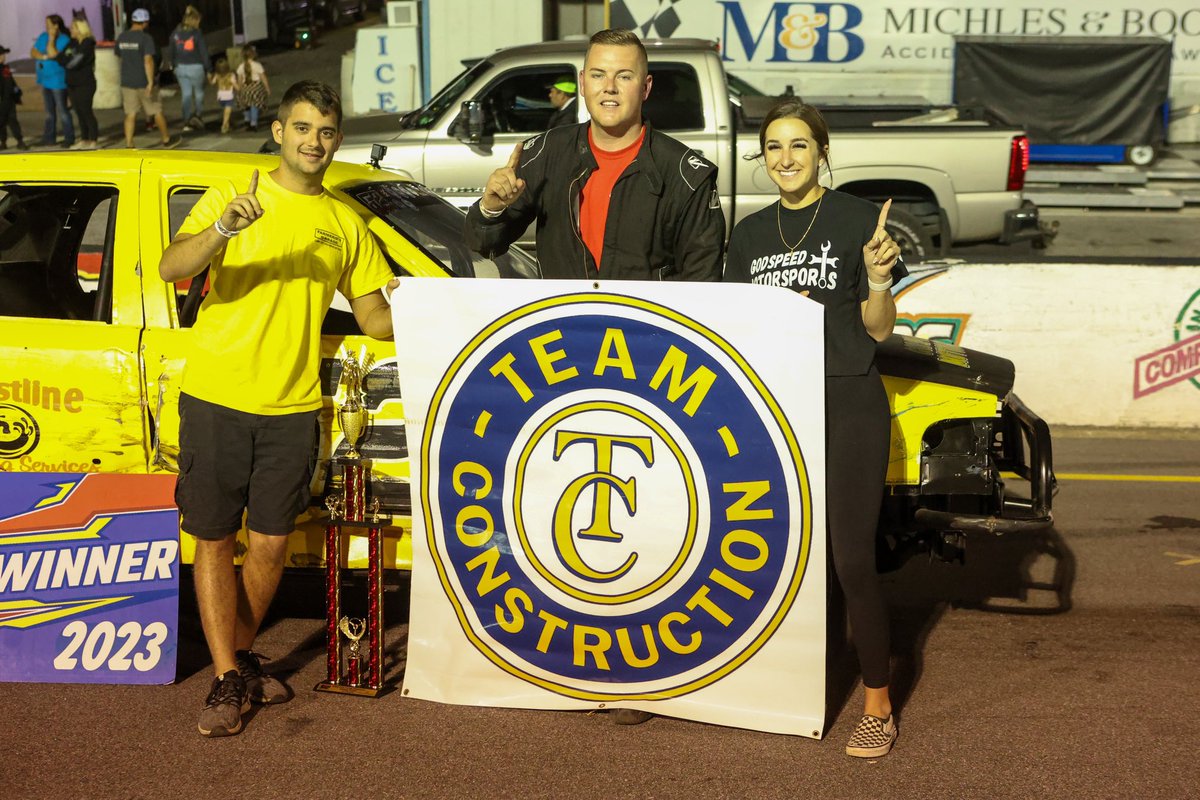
x=664 y=216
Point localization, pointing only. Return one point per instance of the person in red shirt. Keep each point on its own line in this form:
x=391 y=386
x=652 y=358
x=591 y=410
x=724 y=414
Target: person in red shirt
x=612 y=197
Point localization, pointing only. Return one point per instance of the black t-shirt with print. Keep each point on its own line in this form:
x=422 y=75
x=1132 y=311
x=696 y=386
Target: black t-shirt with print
x=827 y=263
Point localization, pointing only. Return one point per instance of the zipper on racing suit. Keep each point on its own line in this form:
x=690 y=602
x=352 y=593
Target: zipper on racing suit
x=574 y=196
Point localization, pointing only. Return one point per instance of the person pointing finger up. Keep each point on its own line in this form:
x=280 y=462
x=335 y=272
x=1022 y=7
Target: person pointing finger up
x=504 y=186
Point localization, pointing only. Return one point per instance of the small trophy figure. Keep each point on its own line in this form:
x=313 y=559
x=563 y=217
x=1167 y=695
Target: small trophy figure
x=353 y=629
x=352 y=414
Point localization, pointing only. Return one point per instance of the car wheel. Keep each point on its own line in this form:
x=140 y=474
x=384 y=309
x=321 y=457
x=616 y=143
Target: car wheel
x=1141 y=155
x=916 y=244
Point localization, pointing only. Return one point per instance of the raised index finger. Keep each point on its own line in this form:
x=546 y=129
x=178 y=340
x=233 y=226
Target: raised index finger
x=254 y=183
x=515 y=158
x=883 y=212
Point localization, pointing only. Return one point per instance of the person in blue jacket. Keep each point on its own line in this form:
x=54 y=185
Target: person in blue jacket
x=53 y=79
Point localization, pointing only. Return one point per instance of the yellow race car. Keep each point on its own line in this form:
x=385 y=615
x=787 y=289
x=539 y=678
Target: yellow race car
x=91 y=340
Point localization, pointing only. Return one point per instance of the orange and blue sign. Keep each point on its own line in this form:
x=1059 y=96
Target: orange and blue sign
x=89 y=578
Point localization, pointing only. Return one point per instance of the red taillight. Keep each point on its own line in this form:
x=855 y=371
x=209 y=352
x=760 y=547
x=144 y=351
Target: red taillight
x=1018 y=163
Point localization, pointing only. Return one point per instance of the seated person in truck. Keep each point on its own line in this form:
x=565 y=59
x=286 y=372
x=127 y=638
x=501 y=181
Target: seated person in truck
x=566 y=104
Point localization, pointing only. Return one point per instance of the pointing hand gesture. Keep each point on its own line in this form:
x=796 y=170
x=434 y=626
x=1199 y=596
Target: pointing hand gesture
x=503 y=186
x=881 y=252
x=244 y=209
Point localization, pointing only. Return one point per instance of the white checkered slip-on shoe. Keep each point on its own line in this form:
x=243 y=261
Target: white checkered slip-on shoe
x=873 y=737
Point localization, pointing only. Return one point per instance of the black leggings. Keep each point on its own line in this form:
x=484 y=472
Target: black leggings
x=81 y=101
x=9 y=121
x=857 y=431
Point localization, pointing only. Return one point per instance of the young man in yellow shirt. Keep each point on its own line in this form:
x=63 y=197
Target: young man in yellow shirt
x=250 y=391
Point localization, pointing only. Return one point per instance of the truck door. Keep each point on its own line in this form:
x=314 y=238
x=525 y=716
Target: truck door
x=70 y=325
x=516 y=105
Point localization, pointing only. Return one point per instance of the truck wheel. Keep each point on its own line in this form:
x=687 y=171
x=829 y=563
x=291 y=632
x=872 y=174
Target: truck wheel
x=1141 y=155
x=914 y=240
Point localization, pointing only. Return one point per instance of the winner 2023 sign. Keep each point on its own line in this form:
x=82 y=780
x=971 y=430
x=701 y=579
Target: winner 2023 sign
x=619 y=498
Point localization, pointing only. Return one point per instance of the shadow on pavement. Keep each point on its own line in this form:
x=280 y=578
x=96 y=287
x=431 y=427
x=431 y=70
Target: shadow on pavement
x=301 y=595
x=1026 y=574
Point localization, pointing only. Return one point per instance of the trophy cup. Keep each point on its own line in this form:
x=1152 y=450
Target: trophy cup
x=349 y=511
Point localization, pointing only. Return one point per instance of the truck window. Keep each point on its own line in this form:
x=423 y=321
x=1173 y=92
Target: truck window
x=519 y=100
x=435 y=227
x=674 y=103
x=179 y=204
x=56 y=245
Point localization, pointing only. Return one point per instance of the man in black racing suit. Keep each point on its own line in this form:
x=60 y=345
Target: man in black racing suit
x=613 y=199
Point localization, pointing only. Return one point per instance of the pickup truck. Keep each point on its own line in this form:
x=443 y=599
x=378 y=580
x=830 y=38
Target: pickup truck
x=953 y=176
x=93 y=343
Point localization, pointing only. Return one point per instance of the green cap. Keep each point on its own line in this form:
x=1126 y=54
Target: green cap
x=564 y=85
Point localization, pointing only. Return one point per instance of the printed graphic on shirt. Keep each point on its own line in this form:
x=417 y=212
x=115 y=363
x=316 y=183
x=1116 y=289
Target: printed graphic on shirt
x=326 y=237
x=799 y=269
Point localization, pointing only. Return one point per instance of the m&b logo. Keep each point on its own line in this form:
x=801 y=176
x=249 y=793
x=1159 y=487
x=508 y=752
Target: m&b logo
x=791 y=32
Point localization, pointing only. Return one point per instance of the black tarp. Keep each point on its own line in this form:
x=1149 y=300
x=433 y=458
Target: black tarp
x=1068 y=90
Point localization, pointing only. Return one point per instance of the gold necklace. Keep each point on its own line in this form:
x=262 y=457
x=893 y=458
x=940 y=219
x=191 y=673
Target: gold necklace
x=779 y=224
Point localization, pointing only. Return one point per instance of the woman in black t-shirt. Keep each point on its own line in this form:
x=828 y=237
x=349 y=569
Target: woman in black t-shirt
x=79 y=61
x=832 y=248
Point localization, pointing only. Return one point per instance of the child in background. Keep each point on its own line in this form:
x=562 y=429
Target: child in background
x=10 y=96
x=253 y=88
x=226 y=82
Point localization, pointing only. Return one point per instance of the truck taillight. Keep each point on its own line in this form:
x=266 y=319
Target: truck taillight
x=1018 y=163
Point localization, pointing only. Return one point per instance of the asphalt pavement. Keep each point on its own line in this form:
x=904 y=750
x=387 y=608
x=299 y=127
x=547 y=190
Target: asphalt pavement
x=1060 y=665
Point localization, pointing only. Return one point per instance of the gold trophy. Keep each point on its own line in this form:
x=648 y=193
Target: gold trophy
x=352 y=414
x=349 y=510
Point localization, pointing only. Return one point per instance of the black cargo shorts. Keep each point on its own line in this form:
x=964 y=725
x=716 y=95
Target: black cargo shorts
x=231 y=461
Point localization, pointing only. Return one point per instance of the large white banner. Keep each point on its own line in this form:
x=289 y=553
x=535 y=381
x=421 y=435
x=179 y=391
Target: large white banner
x=618 y=498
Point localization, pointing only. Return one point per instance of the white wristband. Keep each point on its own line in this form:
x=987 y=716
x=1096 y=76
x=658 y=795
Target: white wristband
x=879 y=287
x=221 y=229
x=489 y=214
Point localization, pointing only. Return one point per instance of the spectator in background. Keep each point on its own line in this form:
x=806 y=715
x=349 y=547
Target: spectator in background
x=187 y=53
x=562 y=97
x=139 y=92
x=53 y=80
x=226 y=82
x=10 y=96
x=78 y=58
x=253 y=88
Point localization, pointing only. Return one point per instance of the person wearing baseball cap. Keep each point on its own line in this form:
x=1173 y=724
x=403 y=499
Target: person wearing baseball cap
x=562 y=96
x=137 y=49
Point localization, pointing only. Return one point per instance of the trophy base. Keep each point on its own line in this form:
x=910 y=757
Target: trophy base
x=359 y=691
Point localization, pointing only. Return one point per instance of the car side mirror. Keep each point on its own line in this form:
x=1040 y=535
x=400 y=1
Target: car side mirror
x=470 y=123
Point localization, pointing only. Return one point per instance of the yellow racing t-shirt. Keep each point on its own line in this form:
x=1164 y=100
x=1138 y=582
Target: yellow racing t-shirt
x=256 y=342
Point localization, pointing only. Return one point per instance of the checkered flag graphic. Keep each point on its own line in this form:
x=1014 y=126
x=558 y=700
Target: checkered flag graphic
x=649 y=18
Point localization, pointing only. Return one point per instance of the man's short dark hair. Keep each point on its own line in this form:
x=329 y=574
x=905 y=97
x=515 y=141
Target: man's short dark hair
x=621 y=38
x=318 y=94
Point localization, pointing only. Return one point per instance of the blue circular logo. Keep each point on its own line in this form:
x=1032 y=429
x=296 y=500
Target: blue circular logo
x=616 y=505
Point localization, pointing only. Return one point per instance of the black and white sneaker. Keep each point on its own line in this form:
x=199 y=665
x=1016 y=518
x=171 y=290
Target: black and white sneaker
x=873 y=737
